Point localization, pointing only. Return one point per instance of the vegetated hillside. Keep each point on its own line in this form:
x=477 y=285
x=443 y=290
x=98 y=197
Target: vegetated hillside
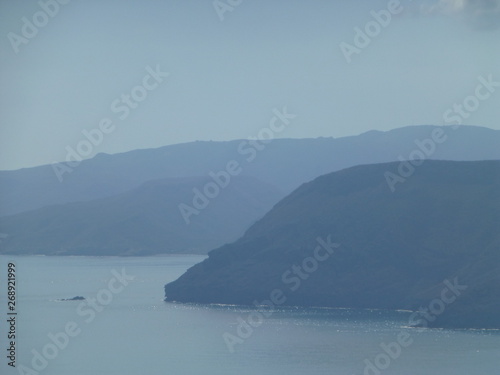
x=143 y=221
x=395 y=251
x=284 y=163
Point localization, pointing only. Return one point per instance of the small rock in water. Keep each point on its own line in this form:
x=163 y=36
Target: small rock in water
x=77 y=298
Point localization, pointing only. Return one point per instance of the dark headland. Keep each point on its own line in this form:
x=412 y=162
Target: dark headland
x=432 y=243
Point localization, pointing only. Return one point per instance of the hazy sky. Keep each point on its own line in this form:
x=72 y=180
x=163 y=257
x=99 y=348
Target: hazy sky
x=228 y=70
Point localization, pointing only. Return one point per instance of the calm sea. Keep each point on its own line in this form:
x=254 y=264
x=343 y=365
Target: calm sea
x=124 y=327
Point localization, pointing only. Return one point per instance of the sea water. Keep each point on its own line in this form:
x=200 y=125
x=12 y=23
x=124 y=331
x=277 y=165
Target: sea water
x=124 y=327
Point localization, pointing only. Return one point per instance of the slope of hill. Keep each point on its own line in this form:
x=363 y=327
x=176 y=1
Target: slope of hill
x=284 y=163
x=395 y=249
x=144 y=221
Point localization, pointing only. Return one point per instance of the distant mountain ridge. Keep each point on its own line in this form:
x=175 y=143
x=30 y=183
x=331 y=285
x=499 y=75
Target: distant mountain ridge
x=284 y=163
x=345 y=240
x=142 y=221
x=54 y=217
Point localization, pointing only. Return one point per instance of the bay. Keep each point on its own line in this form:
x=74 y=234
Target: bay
x=131 y=330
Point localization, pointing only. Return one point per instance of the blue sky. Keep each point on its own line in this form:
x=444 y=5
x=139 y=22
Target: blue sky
x=227 y=75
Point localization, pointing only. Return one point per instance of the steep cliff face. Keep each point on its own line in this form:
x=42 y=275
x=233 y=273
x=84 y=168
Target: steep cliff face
x=346 y=240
